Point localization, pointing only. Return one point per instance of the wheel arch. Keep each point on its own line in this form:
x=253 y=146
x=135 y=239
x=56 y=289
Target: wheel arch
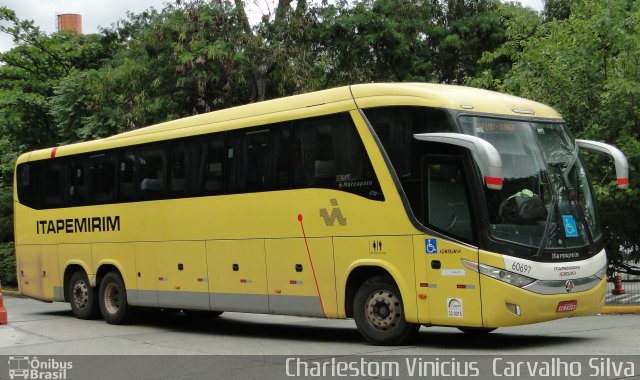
x=69 y=270
x=356 y=278
x=106 y=268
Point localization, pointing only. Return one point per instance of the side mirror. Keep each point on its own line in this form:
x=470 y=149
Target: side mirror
x=620 y=161
x=485 y=154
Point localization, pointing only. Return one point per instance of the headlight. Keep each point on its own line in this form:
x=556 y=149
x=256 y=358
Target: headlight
x=503 y=275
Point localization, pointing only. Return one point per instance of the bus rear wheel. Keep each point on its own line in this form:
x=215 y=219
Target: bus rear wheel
x=113 y=300
x=82 y=297
x=379 y=313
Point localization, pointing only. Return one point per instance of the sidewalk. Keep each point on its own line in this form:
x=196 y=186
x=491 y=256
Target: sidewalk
x=621 y=303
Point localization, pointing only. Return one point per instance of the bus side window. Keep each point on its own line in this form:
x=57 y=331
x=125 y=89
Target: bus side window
x=281 y=162
x=209 y=157
x=102 y=177
x=30 y=184
x=178 y=168
x=259 y=159
x=53 y=192
x=328 y=153
x=127 y=174
x=395 y=127
x=76 y=182
x=152 y=171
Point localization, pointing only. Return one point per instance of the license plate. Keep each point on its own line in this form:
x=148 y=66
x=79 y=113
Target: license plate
x=566 y=306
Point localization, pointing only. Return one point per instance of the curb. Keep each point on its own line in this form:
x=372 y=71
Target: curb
x=12 y=293
x=621 y=309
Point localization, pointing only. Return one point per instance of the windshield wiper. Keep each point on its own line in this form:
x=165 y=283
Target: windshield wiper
x=573 y=194
x=547 y=226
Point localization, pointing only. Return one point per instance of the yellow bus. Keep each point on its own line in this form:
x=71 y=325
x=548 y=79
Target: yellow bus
x=397 y=205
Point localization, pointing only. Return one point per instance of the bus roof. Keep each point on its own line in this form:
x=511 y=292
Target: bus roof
x=339 y=99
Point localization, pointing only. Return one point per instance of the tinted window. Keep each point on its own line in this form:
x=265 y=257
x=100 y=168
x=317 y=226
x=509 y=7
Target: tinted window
x=209 y=159
x=328 y=153
x=178 y=169
x=30 y=183
x=259 y=159
x=152 y=171
x=321 y=152
x=54 y=175
x=395 y=127
x=447 y=200
x=102 y=177
x=77 y=182
x=127 y=172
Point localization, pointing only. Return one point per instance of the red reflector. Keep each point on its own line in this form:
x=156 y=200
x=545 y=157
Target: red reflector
x=293 y=282
x=461 y=286
x=623 y=181
x=424 y=285
x=243 y=281
x=493 y=181
x=53 y=152
x=567 y=306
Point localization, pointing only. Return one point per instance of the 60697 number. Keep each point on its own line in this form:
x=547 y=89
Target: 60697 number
x=522 y=268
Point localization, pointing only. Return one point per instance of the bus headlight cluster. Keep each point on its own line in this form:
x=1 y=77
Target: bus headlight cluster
x=503 y=275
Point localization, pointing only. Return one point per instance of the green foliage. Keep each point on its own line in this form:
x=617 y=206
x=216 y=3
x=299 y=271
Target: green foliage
x=7 y=264
x=520 y=25
x=558 y=9
x=588 y=67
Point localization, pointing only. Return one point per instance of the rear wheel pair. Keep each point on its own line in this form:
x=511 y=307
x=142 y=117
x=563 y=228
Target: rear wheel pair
x=110 y=299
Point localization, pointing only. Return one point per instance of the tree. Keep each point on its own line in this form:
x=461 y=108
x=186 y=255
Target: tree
x=588 y=67
x=191 y=57
x=520 y=24
x=557 y=9
x=29 y=74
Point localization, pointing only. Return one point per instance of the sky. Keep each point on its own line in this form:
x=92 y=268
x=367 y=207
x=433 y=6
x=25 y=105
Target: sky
x=96 y=13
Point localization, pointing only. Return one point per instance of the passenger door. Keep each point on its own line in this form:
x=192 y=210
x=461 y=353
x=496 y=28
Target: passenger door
x=453 y=291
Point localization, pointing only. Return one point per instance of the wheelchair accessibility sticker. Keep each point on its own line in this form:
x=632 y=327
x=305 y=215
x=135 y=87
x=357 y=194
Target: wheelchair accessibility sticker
x=570 y=226
x=431 y=246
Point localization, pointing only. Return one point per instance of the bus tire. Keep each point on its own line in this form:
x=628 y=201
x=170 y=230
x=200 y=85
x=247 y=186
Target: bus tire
x=82 y=296
x=379 y=313
x=113 y=300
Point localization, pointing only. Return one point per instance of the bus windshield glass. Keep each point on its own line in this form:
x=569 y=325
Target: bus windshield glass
x=546 y=200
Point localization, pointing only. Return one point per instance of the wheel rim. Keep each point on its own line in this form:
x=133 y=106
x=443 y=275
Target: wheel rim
x=112 y=298
x=383 y=310
x=80 y=294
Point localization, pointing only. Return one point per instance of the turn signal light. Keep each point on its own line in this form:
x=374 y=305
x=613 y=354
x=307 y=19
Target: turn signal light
x=515 y=309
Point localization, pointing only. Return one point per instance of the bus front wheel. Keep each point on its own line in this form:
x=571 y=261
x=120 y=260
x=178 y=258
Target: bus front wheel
x=113 y=300
x=379 y=313
x=82 y=297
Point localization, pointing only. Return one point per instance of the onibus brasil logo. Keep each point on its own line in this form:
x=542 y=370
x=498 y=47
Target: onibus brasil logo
x=24 y=367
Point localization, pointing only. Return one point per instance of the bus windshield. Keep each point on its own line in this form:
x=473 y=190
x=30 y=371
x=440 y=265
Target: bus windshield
x=546 y=200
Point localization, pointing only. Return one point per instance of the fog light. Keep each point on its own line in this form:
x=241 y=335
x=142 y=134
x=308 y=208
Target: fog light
x=515 y=309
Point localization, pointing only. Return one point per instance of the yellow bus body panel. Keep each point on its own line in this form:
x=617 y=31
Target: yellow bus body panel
x=275 y=252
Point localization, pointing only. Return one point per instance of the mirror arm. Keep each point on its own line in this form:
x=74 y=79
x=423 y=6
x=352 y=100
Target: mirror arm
x=485 y=154
x=620 y=161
